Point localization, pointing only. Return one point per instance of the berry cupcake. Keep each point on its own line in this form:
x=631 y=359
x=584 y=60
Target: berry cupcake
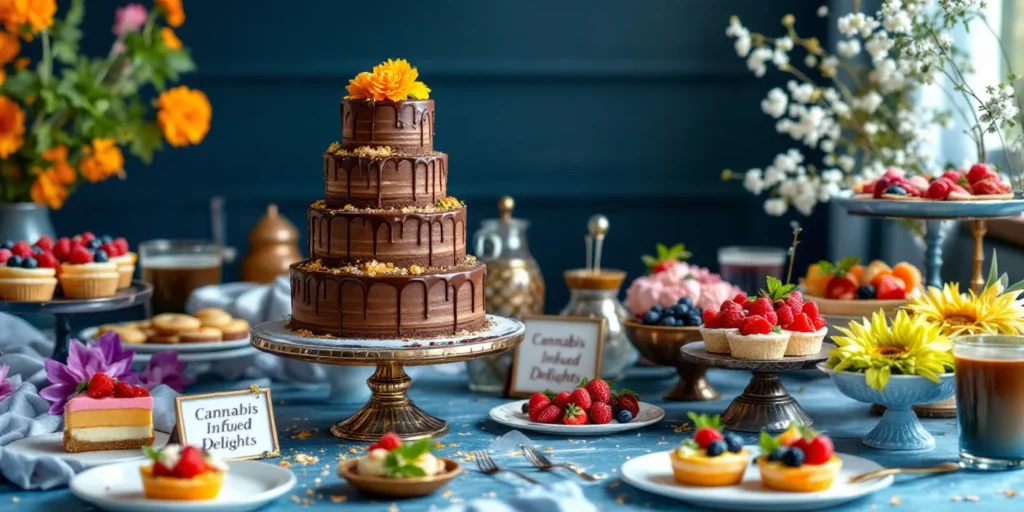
x=88 y=273
x=117 y=251
x=799 y=460
x=27 y=273
x=182 y=474
x=806 y=330
x=710 y=458
x=760 y=337
x=719 y=323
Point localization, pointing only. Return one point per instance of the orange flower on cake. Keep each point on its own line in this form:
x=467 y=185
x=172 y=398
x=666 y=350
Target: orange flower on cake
x=63 y=172
x=170 y=39
x=103 y=159
x=37 y=15
x=184 y=116
x=12 y=127
x=10 y=47
x=47 y=189
x=173 y=11
x=393 y=79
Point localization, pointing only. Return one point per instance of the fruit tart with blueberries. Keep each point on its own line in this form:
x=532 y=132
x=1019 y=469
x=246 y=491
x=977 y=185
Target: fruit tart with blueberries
x=980 y=182
x=86 y=271
x=182 y=473
x=390 y=458
x=847 y=288
x=28 y=272
x=798 y=460
x=592 y=402
x=711 y=458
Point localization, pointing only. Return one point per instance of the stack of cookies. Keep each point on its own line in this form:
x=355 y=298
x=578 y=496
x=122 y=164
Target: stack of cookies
x=206 y=325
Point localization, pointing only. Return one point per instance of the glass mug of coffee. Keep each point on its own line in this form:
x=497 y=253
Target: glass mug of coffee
x=177 y=267
x=747 y=267
x=990 y=401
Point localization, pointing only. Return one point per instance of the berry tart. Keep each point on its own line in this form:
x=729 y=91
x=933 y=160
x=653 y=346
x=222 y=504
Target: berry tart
x=805 y=325
x=117 y=252
x=718 y=323
x=592 y=402
x=847 y=288
x=86 y=271
x=182 y=473
x=27 y=273
x=798 y=460
x=760 y=337
x=710 y=458
x=979 y=183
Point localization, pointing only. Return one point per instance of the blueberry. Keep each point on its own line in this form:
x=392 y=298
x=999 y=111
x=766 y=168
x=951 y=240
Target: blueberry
x=793 y=458
x=896 y=190
x=526 y=407
x=624 y=416
x=734 y=443
x=106 y=239
x=14 y=261
x=866 y=292
x=680 y=310
x=7 y=245
x=716 y=448
x=93 y=244
x=657 y=308
x=29 y=262
x=686 y=301
x=779 y=453
x=651 y=318
x=38 y=250
x=693 y=319
x=669 y=322
x=100 y=256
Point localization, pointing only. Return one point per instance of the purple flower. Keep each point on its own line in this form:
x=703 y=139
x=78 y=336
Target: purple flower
x=6 y=386
x=164 y=368
x=129 y=19
x=106 y=356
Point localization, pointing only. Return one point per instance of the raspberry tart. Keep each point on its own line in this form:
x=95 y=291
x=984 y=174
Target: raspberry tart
x=710 y=458
x=718 y=323
x=798 y=460
x=182 y=473
x=27 y=273
x=979 y=183
x=86 y=271
x=803 y=322
x=760 y=337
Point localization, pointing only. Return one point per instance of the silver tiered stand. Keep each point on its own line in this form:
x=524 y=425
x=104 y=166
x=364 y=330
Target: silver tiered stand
x=389 y=408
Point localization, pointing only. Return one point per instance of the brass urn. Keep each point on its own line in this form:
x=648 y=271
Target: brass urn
x=273 y=247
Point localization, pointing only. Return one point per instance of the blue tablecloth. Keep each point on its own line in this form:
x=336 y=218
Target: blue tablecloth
x=303 y=423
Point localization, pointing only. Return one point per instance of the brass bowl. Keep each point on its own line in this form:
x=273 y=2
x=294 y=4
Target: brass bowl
x=398 y=487
x=661 y=345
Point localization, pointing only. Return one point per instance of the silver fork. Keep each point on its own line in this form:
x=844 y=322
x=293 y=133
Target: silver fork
x=488 y=467
x=540 y=461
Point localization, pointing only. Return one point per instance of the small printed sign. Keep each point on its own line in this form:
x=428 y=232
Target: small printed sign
x=233 y=425
x=556 y=353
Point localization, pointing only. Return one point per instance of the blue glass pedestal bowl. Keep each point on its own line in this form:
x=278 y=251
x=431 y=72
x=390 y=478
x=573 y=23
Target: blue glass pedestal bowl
x=899 y=428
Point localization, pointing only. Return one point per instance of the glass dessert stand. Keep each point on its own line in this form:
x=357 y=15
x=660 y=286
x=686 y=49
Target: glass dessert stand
x=63 y=309
x=764 y=404
x=389 y=408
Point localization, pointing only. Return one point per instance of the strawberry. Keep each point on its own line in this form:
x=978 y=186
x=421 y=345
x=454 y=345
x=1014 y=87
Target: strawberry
x=987 y=187
x=46 y=260
x=763 y=306
x=561 y=399
x=755 y=325
x=600 y=413
x=5 y=254
x=917 y=185
x=22 y=249
x=537 y=403
x=627 y=400
x=841 y=288
x=389 y=441
x=708 y=429
x=802 y=323
x=100 y=385
x=62 y=248
x=953 y=176
x=785 y=315
x=80 y=256
x=581 y=397
x=662 y=266
x=549 y=414
x=811 y=308
x=45 y=243
x=880 y=185
x=123 y=390
x=939 y=190
x=599 y=390
x=140 y=391
x=712 y=319
x=795 y=301
x=159 y=469
x=740 y=298
x=574 y=416
x=818 y=450
x=980 y=172
x=891 y=288
x=667 y=257
x=191 y=464
x=819 y=322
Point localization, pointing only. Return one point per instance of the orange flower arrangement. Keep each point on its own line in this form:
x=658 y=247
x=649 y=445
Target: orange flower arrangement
x=170 y=39
x=48 y=189
x=62 y=170
x=10 y=47
x=37 y=15
x=102 y=160
x=174 y=12
x=12 y=127
x=393 y=79
x=184 y=116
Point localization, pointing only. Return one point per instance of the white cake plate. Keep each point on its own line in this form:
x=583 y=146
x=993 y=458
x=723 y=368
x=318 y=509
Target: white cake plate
x=53 y=445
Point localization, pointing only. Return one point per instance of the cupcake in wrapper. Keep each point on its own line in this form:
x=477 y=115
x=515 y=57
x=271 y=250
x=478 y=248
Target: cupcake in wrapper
x=716 y=340
x=27 y=284
x=758 y=347
x=89 y=280
x=125 y=269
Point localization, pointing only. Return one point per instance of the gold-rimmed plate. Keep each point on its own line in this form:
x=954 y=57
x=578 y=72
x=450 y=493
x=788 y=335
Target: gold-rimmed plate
x=398 y=487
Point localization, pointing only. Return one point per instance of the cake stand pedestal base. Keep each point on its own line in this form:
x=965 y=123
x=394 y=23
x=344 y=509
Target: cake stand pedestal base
x=389 y=410
x=764 y=405
x=693 y=385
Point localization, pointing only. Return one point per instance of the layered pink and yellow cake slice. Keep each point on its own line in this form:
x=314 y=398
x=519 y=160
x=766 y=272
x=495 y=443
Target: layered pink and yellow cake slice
x=109 y=423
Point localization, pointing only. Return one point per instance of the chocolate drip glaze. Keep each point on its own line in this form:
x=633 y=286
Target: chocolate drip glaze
x=310 y=290
x=325 y=236
x=384 y=182
x=406 y=124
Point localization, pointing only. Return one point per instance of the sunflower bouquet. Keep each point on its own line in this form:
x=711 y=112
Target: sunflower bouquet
x=67 y=119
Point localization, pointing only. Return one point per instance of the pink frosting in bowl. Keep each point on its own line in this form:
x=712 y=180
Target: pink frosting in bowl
x=705 y=288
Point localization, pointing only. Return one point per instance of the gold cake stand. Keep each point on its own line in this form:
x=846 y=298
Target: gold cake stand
x=389 y=408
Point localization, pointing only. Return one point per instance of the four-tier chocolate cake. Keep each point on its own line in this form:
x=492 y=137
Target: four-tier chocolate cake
x=387 y=246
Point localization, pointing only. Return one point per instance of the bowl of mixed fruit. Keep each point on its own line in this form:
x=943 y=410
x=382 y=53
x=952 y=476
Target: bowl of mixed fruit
x=847 y=288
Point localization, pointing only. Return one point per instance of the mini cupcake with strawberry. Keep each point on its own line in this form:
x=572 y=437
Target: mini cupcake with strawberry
x=593 y=402
x=182 y=473
x=798 y=460
x=711 y=458
x=27 y=272
x=86 y=271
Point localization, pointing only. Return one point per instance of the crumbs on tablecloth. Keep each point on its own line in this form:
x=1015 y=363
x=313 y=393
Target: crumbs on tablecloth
x=393 y=507
x=613 y=485
x=679 y=429
x=284 y=464
x=15 y=499
x=620 y=499
x=1010 y=493
x=972 y=498
x=447 y=494
x=338 y=499
x=957 y=498
x=305 y=434
x=302 y=458
x=895 y=501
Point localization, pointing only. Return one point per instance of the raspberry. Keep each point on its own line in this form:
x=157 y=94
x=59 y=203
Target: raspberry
x=819 y=322
x=86 y=236
x=811 y=308
x=763 y=306
x=785 y=315
x=732 y=318
x=980 y=172
x=122 y=246
x=939 y=190
x=22 y=249
x=755 y=325
x=987 y=187
x=5 y=254
x=796 y=302
x=802 y=323
x=712 y=320
x=191 y=464
x=707 y=435
x=110 y=249
x=46 y=260
x=953 y=176
x=80 y=256
x=100 y=385
x=140 y=391
x=740 y=298
x=45 y=243
x=390 y=441
x=123 y=390
x=62 y=248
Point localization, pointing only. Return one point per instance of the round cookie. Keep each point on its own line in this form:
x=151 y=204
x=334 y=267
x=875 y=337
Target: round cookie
x=203 y=334
x=213 y=317
x=174 y=323
x=129 y=334
x=105 y=328
x=235 y=330
x=163 y=338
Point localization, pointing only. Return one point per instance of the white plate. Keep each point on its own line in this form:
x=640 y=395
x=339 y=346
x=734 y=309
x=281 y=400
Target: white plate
x=53 y=445
x=204 y=357
x=653 y=473
x=248 y=485
x=511 y=415
x=182 y=348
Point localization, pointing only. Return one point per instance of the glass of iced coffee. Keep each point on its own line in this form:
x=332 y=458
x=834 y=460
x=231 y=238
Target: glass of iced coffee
x=990 y=401
x=177 y=267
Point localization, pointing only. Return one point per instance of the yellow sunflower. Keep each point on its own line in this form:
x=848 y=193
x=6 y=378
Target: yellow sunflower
x=991 y=312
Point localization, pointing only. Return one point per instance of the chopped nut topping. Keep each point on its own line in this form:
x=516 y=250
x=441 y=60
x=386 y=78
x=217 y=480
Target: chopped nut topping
x=446 y=204
x=374 y=268
x=415 y=270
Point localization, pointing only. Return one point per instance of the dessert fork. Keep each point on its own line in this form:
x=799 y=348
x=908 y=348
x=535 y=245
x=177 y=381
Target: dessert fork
x=947 y=467
x=488 y=467
x=541 y=462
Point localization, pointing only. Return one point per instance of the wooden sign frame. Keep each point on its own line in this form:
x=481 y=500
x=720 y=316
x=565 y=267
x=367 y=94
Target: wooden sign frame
x=253 y=390
x=601 y=324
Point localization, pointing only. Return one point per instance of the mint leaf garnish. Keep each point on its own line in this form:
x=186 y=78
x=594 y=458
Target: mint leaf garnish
x=768 y=443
